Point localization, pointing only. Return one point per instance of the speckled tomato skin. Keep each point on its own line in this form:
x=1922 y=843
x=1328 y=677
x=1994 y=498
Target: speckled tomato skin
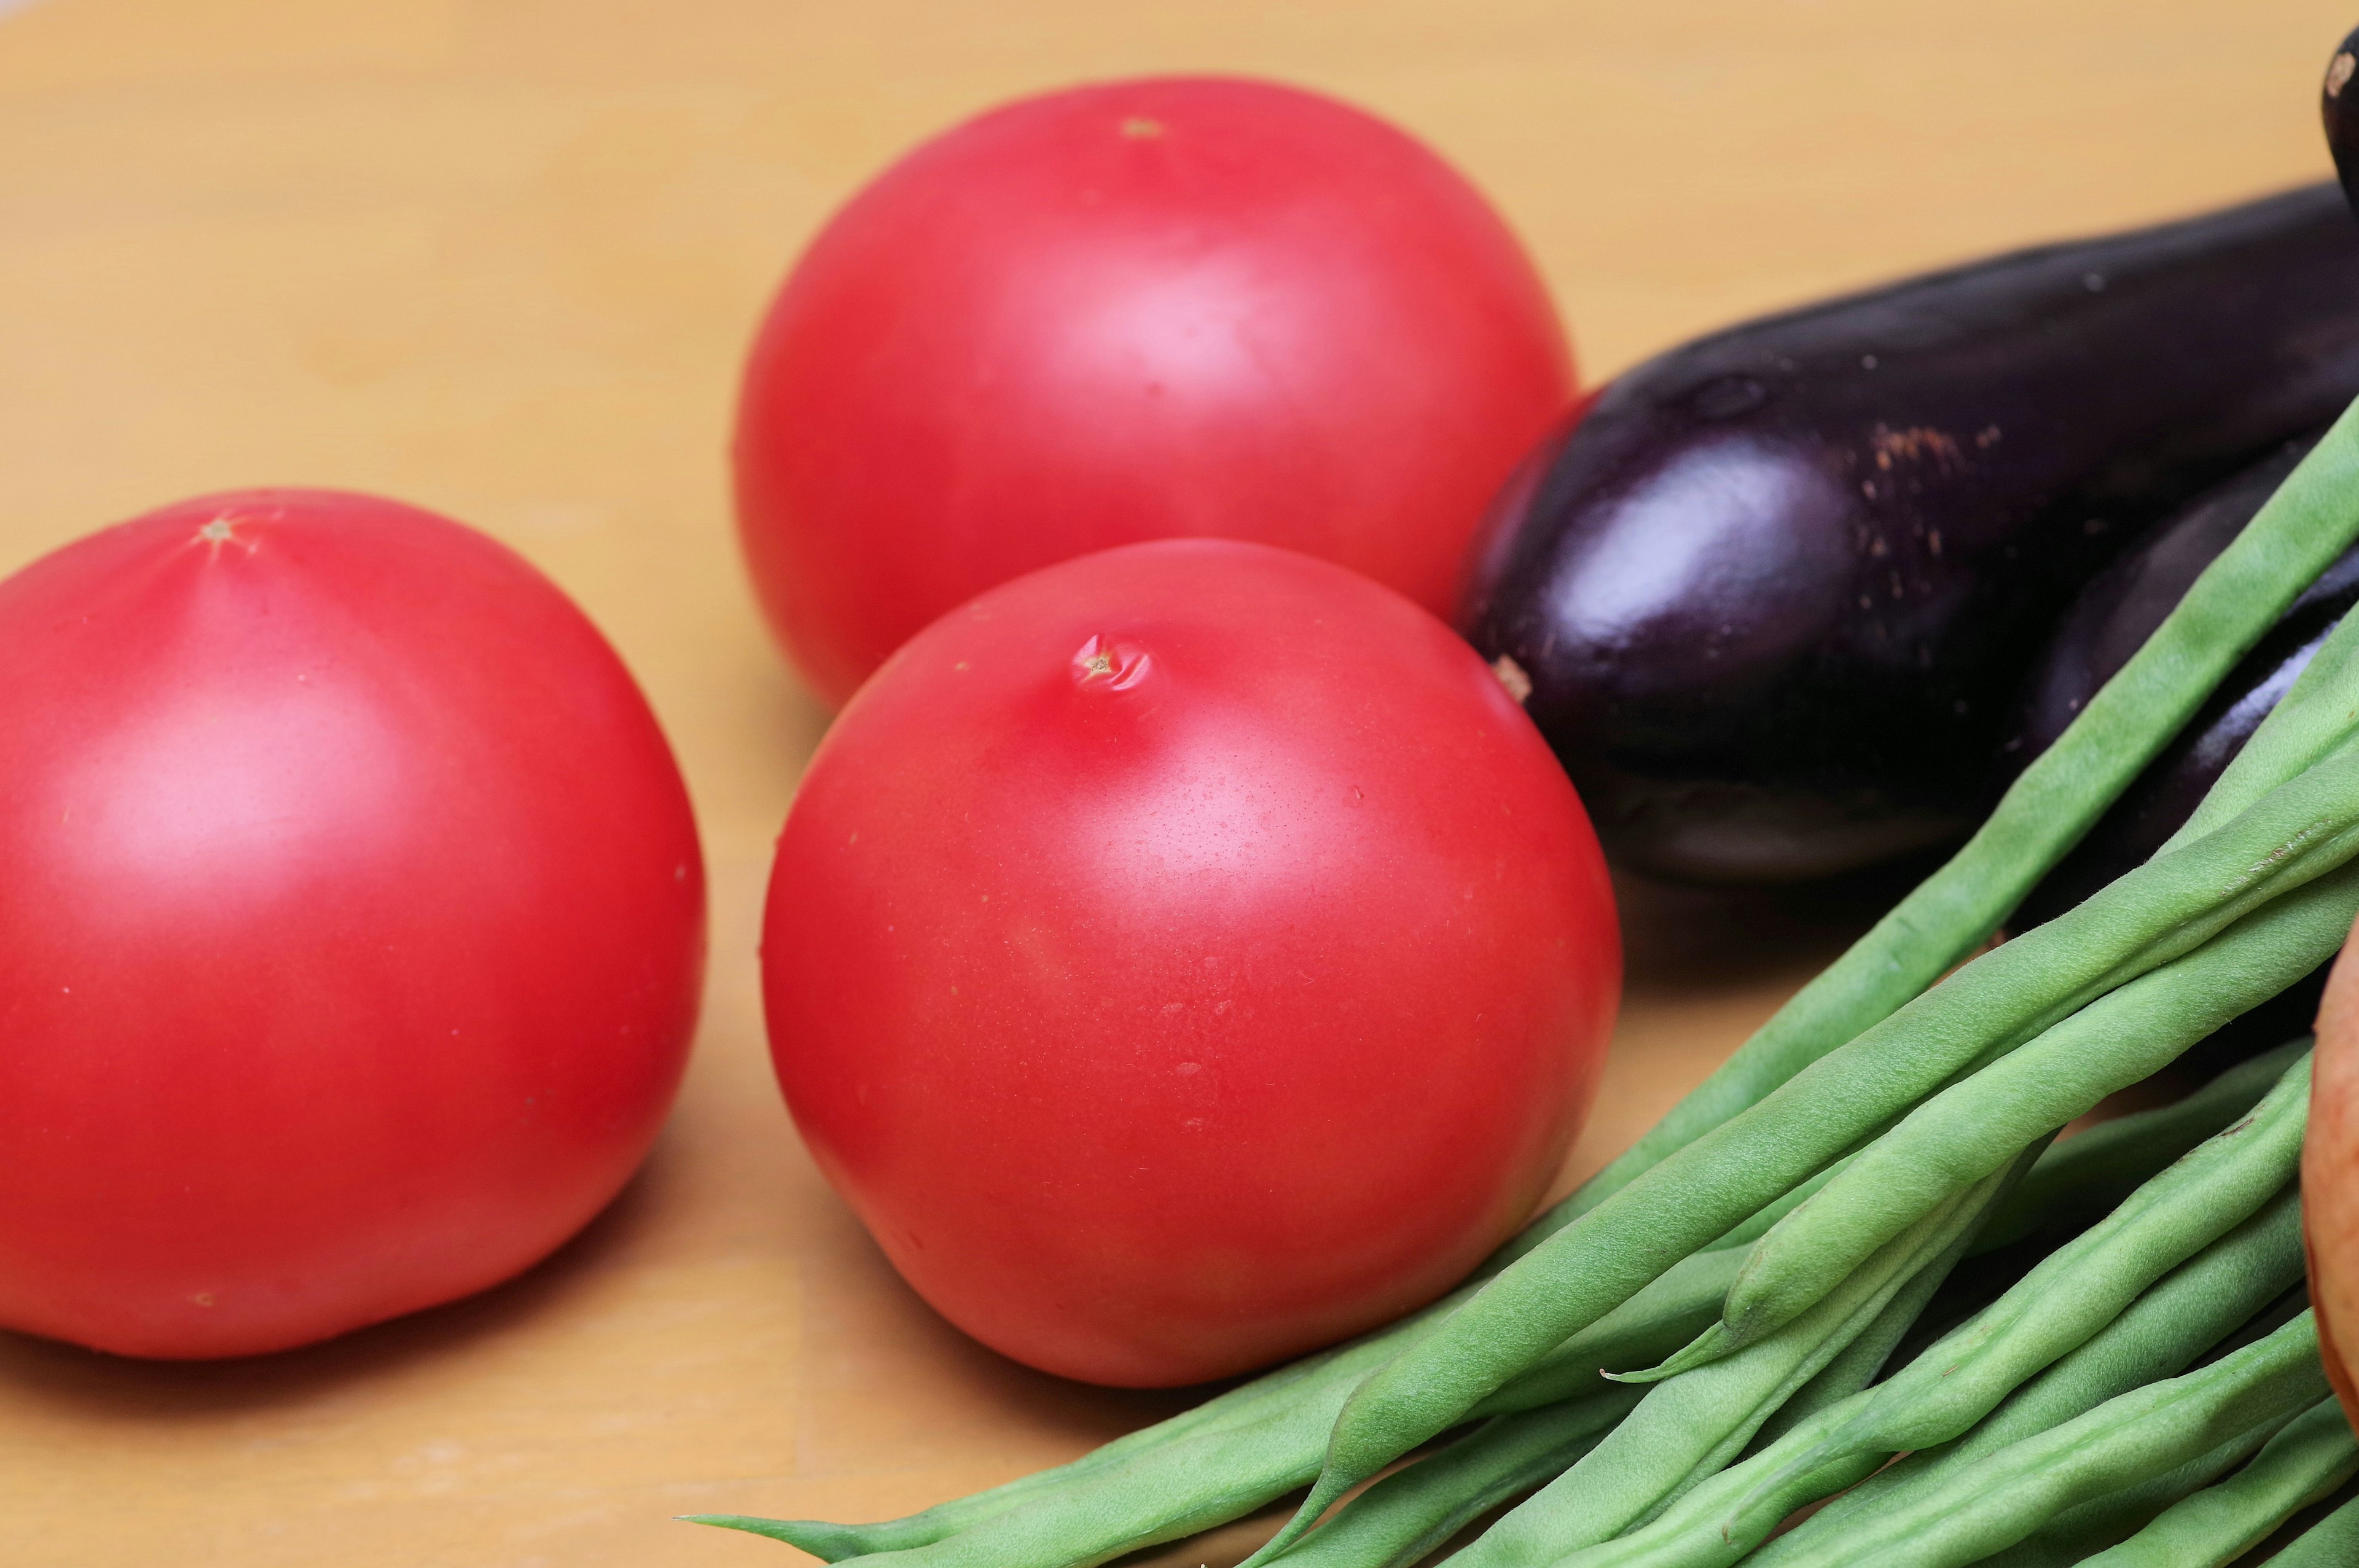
x=1167 y=1021
x=2329 y=1179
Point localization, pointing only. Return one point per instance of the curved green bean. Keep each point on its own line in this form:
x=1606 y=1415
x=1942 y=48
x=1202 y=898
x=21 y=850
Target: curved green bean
x=2084 y=1177
x=2308 y=1459
x=2156 y=1337
x=1610 y=1253
x=1688 y=1427
x=1660 y=1318
x=2085 y=1285
x=1113 y=1501
x=1985 y=1507
x=2088 y=1528
x=1673 y=1309
x=1162 y=1461
x=2332 y=1542
x=1856 y=1365
x=2107 y=1046
x=1411 y=1511
x=2315 y=718
x=1725 y=1517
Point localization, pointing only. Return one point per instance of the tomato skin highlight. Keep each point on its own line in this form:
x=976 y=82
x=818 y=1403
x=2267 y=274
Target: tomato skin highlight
x=1184 y=956
x=1171 y=306
x=352 y=931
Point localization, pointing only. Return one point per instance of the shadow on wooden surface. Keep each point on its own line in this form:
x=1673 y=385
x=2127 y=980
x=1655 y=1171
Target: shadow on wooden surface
x=96 y=1385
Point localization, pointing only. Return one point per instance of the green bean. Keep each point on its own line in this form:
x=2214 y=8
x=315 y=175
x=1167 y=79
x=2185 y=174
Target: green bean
x=1179 y=1484
x=1175 y=1489
x=2307 y=1460
x=2315 y=718
x=1688 y=1427
x=1411 y=1511
x=1662 y=1317
x=1858 y=1363
x=1987 y=1506
x=2085 y=1529
x=1432 y=1497
x=2085 y=1285
x=2085 y=1175
x=2313 y=516
x=1836 y=1387
x=1673 y=1309
x=2156 y=1337
x=1722 y=1519
x=2332 y=1542
x=1610 y=1253
x=1303 y=1395
x=1723 y=1516
x=1959 y=1133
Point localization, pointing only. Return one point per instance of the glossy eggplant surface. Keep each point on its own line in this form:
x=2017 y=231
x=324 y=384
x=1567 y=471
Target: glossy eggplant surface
x=1777 y=592
x=2112 y=617
x=2338 y=106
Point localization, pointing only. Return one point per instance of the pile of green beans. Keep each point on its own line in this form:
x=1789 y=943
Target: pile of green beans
x=1673 y=1361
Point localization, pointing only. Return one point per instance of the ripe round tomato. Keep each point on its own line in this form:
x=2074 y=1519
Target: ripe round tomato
x=1186 y=956
x=351 y=927
x=2329 y=1179
x=1141 y=311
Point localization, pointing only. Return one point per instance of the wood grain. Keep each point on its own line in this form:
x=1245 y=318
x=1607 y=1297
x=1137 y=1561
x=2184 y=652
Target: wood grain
x=500 y=257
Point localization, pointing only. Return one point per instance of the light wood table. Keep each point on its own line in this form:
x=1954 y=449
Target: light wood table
x=500 y=257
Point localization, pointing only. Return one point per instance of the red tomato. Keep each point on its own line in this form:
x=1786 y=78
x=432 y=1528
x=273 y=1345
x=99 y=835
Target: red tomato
x=1184 y=956
x=2329 y=1179
x=1184 y=305
x=351 y=930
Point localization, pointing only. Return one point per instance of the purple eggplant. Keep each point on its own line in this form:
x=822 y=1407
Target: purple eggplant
x=2338 y=106
x=1777 y=592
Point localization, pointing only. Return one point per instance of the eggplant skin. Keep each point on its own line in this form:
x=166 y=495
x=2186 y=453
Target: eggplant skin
x=1775 y=592
x=2106 y=624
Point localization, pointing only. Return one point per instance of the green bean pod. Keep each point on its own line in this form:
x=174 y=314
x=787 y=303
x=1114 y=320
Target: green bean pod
x=2082 y=1177
x=1162 y=1460
x=1858 y=1364
x=1175 y=1489
x=2107 y=1046
x=1688 y=1427
x=1190 y=1479
x=1411 y=1511
x=2158 y=1335
x=1424 y=1504
x=2308 y=1459
x=1665 y=1314
x=2085 y=1285
x=1725 y=1517
x=2316 y=717
x=2332 y=1542
x=1987 y=1506
x=2159 y=909
x=2086 y=1529
x=1673 y=1309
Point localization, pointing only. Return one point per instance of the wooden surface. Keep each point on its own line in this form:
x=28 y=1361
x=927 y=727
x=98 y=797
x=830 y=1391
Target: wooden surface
x=500 y=256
